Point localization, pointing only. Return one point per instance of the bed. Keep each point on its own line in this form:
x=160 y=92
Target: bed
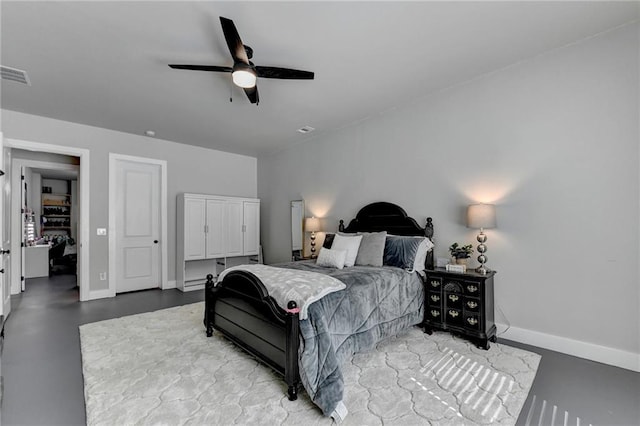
x=239 y=307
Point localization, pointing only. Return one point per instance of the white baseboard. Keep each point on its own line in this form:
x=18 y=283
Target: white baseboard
x=100 y=294
x=591 y=351
x=170 y=284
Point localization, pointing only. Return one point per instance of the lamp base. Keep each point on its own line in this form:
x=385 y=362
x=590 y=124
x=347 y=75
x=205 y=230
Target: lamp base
x=482 y=270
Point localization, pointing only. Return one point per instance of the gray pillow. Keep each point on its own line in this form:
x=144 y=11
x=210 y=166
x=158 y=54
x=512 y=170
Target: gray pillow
x=371 y=251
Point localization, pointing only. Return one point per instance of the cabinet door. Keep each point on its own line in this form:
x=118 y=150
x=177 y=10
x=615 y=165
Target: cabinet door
x=215 y=229
x=251 y=228
x=194 y=230
x=234 y=224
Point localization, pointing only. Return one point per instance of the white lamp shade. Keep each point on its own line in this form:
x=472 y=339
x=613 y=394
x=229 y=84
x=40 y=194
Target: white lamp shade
x=312 y=224
x=481 y=216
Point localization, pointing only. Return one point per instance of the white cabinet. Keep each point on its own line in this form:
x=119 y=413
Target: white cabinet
x=213 y=232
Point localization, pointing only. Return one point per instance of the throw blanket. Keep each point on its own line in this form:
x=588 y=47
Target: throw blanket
x=378 y=302
x=284 y=285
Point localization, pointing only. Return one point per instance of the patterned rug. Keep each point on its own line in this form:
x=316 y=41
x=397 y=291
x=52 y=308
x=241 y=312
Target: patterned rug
x=160 y=368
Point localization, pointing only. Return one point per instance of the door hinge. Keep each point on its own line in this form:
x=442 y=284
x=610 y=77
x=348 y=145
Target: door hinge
x=22 y=177
x=21 y=278
x=22 y=244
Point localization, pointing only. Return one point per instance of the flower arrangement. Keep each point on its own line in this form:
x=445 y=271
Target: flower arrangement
x=461 y=252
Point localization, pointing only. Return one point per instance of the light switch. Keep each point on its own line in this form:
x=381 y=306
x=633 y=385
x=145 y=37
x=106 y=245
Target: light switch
x=102 y=231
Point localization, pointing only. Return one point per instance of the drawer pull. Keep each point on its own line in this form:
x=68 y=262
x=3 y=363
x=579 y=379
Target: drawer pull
x=472 y=304
x=472 y=288
x=453 y=314
x=435 y=297
x=472 y=320
x=435 y=313
x=453 y=297
x=435 y=283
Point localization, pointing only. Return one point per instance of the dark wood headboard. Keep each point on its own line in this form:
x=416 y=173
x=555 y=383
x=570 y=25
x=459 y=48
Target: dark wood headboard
x=383 y=216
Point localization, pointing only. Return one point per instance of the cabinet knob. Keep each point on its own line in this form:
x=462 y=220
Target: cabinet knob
x=453 y=297
x=472 y=305
x=453 y=314
x=472 y=288
x=435 y=298
x=5 y=251
x=155 y=241
x=472 y=320
x=2 y=271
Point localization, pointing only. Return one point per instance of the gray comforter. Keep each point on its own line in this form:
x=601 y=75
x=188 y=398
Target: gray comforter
x=378 y=302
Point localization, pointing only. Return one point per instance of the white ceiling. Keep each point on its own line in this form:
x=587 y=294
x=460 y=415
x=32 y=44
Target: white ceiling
x=105 y=63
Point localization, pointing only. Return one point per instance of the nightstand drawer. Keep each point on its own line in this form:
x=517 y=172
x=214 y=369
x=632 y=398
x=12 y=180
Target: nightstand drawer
x=434 y=314
x=435 y=299
x=471 y=304
x=472 y=321
x=434 y=284
x=454 y=317
x=453 y=300
x=472 y=288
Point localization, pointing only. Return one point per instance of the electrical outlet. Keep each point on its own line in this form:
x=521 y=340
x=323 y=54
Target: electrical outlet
x=103 y=276
x=102 y=231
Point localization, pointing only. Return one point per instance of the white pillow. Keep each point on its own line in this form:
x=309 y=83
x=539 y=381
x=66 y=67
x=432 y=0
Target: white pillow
x=350 y=244
x=421 y=255
x=331 y=258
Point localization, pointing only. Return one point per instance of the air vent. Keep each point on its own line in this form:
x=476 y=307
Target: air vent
x=306 y=129
x=16 y=75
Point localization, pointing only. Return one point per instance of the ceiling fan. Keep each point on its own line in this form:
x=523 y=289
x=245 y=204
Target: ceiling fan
x=244 y=72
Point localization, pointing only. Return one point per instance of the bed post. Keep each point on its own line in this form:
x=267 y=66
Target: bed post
x=428 y=232
x=291 y=373
x=210 y=291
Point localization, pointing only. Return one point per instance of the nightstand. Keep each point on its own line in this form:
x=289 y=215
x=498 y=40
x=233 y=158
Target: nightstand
x=461 y=303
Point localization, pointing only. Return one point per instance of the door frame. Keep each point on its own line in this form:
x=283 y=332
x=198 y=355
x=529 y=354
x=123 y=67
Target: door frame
x=84 y=174
x=164 y=267
x=17 y=226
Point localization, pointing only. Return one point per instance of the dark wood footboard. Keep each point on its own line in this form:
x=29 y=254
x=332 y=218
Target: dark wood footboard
x=240 y=308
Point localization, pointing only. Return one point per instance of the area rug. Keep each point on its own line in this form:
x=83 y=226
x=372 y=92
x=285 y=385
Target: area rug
x=160 y=368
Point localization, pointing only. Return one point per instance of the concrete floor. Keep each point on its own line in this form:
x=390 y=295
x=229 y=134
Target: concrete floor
x=43 y=382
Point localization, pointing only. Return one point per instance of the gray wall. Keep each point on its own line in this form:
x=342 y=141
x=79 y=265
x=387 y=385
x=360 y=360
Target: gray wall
x=552 y=141
x=190 y=169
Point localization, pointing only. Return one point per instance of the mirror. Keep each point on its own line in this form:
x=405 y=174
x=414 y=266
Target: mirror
x=297 y=231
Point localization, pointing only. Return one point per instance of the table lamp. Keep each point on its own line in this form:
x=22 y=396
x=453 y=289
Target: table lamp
x=312 y=224
x=481 y=216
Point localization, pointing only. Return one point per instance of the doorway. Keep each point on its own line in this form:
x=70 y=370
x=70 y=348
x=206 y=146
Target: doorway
x=38 y=160
x=48 y=215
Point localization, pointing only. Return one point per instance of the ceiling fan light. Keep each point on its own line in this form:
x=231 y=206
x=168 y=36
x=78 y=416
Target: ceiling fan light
x=244 y=78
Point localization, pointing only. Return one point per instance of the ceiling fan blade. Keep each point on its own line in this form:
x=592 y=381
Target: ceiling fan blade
x=252 y=94
x=236 y=47
x=284 y=73
x=201 y=68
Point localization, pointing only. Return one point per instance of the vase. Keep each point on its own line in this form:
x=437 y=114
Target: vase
x=461 y=261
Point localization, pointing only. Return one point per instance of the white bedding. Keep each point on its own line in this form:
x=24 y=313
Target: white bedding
x=284 y=285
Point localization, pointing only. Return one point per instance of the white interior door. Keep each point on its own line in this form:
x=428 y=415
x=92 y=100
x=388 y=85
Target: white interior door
x=5 y=283
x=137 y=225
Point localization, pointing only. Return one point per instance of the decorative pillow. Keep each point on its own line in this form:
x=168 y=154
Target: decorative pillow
x=371 y=251
x=421 y=255
x=331 y=258
x=328 y=240
x=350 y=244
x=401 y=251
